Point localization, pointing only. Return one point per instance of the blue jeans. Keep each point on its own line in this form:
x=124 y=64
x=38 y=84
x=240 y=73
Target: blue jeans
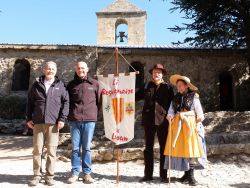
x=81 y=136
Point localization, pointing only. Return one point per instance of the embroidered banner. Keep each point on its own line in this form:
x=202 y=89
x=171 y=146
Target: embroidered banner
x=118 y=104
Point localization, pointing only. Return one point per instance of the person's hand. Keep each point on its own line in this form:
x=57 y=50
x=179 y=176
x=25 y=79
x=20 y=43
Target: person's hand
x=60 y=125
x=169 y=118
x=30 y=124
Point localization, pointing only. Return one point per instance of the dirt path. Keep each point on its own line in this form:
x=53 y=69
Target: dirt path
x=16 y=170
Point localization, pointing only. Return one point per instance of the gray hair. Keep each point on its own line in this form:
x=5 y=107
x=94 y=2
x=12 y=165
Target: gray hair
x=82 y=62
x=49 y=63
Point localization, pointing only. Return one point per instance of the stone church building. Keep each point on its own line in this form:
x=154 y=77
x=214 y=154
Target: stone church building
x=222 y=75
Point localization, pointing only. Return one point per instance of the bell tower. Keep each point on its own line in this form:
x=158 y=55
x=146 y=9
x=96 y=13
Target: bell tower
x=121 y=23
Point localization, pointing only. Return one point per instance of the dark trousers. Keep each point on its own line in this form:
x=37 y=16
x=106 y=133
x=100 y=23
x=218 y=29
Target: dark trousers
x=162 y=132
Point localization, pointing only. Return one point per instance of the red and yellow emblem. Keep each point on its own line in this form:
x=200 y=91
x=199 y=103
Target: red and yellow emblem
x=118 y=109
x=129 y=108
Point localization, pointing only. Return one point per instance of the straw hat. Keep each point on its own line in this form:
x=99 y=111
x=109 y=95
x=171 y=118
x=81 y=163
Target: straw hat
x=158 y=66
x=174 y=78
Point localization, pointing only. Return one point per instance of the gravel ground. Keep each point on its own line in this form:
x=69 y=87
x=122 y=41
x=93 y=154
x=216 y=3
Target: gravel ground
x=16 y=170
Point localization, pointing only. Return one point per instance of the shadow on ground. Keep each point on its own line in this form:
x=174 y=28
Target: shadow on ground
x=15 y=142
x=14 y=179
x=241 y=185
x=62 y=177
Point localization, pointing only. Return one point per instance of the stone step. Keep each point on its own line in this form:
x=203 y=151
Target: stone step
x=225 y=121
x=128 y=154
x=227 y=114
x=211 y=128
x=242 y=137
x=237 y=137
x=222 y=128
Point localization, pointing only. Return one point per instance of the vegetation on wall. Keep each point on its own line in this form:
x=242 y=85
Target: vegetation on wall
x=12 y=107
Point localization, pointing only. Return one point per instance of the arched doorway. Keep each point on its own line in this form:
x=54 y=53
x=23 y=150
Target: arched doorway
x=21 y=75
x=226 y=91
x=138 y=66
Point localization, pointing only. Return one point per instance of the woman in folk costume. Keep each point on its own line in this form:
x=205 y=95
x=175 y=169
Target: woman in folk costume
x=186 y=143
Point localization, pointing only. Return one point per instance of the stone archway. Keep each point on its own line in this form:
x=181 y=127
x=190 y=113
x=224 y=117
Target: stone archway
x=121 y=31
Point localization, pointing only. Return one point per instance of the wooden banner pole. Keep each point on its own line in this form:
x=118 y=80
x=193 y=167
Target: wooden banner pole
x=117 y=147
x=169 y=150
x=117 y=165
x=116 y=61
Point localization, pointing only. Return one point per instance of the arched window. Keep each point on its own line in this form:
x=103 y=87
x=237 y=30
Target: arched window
x=21 y=75
x=226 y=91
x=138 y=66
x=121 y=32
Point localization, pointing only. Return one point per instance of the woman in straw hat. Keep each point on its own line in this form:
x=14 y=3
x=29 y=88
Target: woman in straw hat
x=186 y=146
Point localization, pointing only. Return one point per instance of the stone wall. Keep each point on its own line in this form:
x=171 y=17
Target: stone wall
x=202 y=66
x=36 y=56
x=226 y=133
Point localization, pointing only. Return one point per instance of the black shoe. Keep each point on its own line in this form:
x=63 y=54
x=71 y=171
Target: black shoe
x=145 y=178
x=193 y=182
x=164 y=179
x=191 y=179
x=184 y=178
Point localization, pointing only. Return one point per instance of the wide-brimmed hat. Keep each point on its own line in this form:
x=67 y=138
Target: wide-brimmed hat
x=174 y=78
x=158 y=66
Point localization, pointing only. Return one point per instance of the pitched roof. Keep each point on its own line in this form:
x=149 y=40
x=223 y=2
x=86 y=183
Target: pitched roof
x=19 y=46
x=121 y=6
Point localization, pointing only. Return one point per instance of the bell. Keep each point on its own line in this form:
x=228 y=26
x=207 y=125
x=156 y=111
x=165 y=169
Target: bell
x=122 y=36
x=121 y=39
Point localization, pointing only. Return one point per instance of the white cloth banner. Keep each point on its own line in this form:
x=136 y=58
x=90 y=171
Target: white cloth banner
x=118 y=105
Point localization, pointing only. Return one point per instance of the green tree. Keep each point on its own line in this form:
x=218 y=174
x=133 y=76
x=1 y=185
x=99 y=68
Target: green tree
x=216 y=23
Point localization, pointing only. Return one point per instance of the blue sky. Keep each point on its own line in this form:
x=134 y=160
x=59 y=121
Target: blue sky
x=75 y=22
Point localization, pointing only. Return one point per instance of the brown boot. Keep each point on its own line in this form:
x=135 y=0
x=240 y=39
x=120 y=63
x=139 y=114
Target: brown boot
x=88 y=179
x=49 y=181
x=35 y=181
x=72 y=179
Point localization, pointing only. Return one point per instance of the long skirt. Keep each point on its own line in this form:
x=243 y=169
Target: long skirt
x=189 y=149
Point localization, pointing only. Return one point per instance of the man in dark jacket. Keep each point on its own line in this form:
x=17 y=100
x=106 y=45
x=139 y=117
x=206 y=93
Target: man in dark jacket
x=47 y=109
x=157 y=98
x=84 y=101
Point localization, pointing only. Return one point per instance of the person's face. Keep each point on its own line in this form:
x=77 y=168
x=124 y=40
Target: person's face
x=181 y=86
x=157 y=74
x=49 y=71
x=81 y=70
